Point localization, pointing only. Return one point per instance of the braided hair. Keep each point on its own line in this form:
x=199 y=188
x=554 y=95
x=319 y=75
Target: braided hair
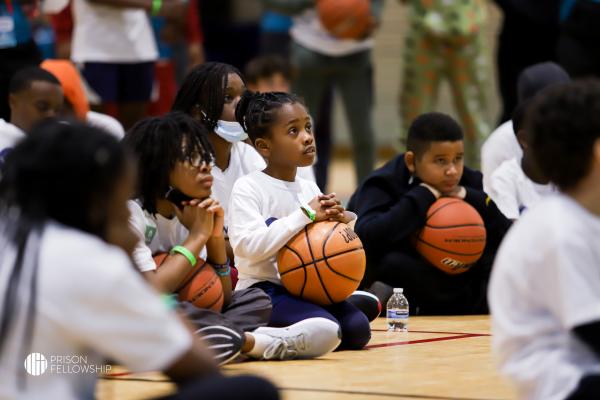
x=158 y=143
x=205 y=87
x=256 y=112
x=60 y=172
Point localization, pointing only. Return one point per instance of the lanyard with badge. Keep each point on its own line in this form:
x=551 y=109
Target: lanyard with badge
x=8 y=36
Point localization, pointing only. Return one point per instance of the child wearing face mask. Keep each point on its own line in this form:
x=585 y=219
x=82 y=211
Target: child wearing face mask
x=210 y=94
x=173 y=153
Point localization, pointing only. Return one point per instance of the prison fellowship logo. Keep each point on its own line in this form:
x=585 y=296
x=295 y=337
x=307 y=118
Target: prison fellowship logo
x=37 y=364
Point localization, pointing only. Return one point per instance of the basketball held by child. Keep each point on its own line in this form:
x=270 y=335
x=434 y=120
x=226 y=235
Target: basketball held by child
x=453 y=237
x=201 y=286
x=345 y=19
x=324 y=263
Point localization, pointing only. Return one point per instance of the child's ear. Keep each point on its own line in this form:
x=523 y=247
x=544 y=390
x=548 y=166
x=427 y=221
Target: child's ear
x=263 y=147
x=409 y=161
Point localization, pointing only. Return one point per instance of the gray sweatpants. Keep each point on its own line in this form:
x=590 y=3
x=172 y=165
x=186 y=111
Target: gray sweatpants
x=248 y=310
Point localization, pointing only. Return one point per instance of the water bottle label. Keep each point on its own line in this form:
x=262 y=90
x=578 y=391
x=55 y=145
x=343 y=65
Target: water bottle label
x=397 y=314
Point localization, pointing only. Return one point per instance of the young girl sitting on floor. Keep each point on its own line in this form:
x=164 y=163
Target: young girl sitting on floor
x=269 y=207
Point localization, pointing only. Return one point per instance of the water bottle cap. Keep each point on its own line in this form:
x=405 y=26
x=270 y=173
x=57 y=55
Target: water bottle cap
x=398 y=290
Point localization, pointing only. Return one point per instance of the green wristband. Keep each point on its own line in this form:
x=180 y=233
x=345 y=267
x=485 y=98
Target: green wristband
x=156 y=6
x=310 y=213
x=184 y=252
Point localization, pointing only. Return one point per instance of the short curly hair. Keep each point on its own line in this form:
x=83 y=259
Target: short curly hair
x=564 y=124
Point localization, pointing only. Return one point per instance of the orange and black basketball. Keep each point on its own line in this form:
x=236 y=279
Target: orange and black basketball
x=323 y=263
x=345 y=19
x=201 y=286
x=453 y=237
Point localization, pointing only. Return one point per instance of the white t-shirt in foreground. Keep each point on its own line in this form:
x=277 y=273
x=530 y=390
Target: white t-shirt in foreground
x=513 y=192
x=157 y=234
x=545 y=282
x=500 y=146
x=111 y=34
x=91 y=303
x=10 y=135
x=264 y=215
x=243 y=160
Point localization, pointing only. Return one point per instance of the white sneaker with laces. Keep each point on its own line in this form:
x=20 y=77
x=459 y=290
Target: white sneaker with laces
x=312 y=337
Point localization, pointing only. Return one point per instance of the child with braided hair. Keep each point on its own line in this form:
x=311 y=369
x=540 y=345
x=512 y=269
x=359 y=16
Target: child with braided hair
x=210 y=94
x=268 y=207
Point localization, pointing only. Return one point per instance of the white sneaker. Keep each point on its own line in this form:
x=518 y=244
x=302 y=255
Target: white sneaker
x=312 y=337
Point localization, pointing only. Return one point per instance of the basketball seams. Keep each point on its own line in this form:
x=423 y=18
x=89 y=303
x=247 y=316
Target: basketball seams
x=191 y=278
x=442 y=207
x=339 y=273
x=447 y=251
x=312 y=256
x=302 y=263
x=454 y=226
x=216 y=301
x=322 y=259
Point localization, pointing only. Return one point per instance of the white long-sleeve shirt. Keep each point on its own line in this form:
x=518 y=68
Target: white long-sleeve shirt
x=264 y=214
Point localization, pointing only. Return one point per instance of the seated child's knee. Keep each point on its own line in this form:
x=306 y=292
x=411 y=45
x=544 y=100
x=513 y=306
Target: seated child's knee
x=356 y=332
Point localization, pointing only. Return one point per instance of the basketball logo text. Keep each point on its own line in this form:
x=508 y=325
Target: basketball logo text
x=348 y=234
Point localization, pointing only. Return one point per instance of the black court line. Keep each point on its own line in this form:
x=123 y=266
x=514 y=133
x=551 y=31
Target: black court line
x=349 y=392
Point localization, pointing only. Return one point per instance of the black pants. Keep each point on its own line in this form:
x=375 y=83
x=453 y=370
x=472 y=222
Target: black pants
x=522 y=43
x=227 y=388
x=578 y=42
x=588 y=389
x=430 y=291
x=11 y=60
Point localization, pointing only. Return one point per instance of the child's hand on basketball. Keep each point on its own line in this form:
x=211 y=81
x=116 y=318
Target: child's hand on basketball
x=196 y=217
x=333 y=206
x=327 y=207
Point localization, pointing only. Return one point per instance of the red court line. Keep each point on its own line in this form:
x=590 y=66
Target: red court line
x=441 y=333
x=375 y=346
x=438 y=339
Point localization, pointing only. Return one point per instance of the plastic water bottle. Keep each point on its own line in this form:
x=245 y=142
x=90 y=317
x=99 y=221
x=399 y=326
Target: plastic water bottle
x=397 y=312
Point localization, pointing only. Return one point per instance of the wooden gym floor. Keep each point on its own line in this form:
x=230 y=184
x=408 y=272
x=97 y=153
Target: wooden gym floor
x=439 y=358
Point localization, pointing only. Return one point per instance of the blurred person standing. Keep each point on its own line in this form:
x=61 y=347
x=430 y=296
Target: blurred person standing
x=445 y=41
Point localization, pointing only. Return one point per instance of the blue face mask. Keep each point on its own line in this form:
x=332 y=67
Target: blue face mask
x=230 y=131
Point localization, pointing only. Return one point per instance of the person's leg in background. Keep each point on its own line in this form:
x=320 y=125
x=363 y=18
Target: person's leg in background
x=421 y=77
x=353 y=78
x=312 y=83
x=102 y=79
x=323 y=133
x=134 y=91
x=467 y=69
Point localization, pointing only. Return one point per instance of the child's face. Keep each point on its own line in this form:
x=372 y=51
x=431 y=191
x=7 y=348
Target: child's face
x=274 y=83
x=192 y=177
x=291 y=142
x=233 y=92
x=441 y=166
x=40 y=101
